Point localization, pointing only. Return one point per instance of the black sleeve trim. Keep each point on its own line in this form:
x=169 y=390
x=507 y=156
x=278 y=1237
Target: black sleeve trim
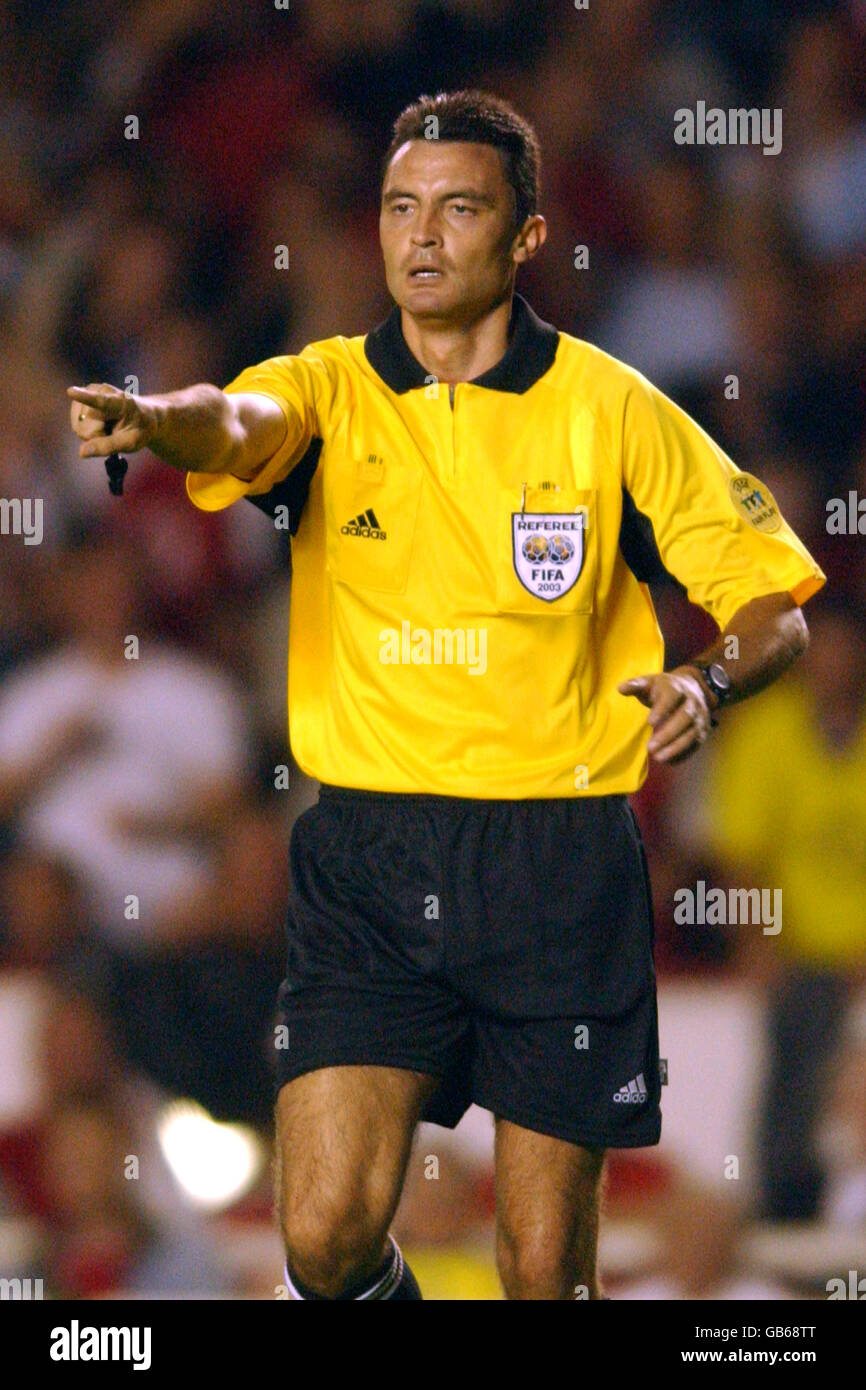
x=639 y=548
x=292 y=491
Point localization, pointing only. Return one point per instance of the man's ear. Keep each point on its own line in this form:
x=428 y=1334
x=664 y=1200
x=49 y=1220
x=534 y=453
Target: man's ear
x=529 y=239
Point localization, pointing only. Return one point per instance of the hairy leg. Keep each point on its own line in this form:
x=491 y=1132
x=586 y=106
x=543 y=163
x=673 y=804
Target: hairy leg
x=547 y=1205
x=344 y=1135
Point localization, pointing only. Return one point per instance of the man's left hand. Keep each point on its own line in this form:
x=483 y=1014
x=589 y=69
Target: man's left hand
x=679 y=712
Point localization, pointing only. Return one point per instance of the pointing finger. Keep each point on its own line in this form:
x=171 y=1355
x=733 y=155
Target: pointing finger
x=87 y=395
x=104 y=398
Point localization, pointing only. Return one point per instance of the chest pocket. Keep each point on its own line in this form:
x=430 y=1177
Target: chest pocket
x=371 y=511
x=551 y=540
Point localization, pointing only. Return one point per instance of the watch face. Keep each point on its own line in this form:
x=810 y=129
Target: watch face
x=719 y=679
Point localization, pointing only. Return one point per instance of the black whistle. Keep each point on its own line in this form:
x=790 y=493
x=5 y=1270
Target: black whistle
x=115 y=467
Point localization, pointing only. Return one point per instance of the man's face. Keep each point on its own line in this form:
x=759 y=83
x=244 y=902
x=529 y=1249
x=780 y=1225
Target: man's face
x=447 y=229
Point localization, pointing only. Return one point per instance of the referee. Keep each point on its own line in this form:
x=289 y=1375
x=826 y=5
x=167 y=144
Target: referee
x=477 y=504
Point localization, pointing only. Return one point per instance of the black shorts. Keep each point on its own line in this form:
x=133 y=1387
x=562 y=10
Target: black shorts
x=503 y=946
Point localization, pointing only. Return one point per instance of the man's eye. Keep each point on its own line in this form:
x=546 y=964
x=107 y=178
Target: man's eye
x=462 y=207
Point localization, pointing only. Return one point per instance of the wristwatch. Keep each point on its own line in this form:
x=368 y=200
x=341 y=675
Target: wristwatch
x=717 y=680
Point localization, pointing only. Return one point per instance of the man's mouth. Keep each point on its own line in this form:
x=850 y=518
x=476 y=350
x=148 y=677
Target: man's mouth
x=425 y=272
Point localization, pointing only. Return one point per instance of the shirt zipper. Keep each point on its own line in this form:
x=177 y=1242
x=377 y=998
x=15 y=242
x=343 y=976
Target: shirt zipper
x=451 y=394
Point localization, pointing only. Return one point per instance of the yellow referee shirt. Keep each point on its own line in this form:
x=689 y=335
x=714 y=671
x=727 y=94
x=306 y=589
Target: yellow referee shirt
x=470 y=566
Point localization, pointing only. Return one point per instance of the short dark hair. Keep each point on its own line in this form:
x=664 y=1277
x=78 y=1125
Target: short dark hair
x=480 y=118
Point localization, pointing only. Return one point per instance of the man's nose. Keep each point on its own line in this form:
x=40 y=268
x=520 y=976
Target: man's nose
x=426 y=229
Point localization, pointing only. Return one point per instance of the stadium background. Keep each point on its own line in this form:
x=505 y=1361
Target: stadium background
x=146 y=257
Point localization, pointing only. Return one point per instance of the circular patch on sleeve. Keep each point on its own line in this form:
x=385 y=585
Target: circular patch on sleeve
x=754 y=502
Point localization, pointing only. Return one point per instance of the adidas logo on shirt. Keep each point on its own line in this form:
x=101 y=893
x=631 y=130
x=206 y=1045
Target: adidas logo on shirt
x=634 y=1093
x=366 y=525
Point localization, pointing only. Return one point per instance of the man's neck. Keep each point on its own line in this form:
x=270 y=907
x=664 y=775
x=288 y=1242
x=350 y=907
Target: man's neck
x=458 y=352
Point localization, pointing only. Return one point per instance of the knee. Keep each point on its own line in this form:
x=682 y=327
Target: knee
x=332 y=1251
x=538 y=1267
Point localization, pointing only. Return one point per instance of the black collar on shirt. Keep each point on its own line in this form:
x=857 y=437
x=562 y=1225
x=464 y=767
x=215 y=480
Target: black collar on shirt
x=531 y=349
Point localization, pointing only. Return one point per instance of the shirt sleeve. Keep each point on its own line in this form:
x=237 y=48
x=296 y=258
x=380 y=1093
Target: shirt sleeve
x=718 y=529
x=301 y=387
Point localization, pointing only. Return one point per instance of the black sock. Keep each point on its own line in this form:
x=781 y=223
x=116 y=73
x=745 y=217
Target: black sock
x=392 y=1280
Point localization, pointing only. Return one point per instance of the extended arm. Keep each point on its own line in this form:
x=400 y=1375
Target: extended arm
x=200 y=429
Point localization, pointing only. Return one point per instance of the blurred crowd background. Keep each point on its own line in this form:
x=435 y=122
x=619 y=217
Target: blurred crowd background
x=144 y=819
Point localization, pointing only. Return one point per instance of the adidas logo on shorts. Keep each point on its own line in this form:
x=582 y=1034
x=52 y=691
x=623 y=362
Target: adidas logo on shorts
x=634 y=1093
x=365 y=524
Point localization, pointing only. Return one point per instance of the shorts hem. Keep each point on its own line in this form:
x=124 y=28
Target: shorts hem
x=542 y=1124
x=359 y=1059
